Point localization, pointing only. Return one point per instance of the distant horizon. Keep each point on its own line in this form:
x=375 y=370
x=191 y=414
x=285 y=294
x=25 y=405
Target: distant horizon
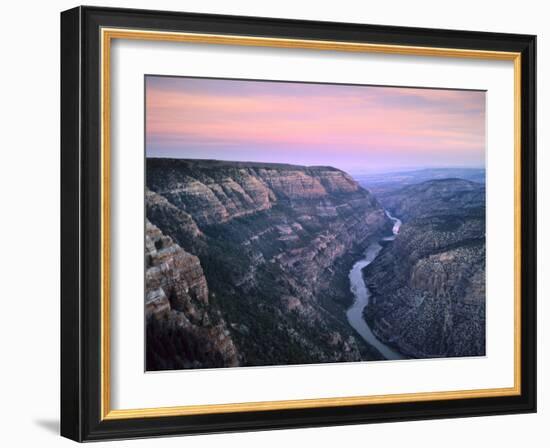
x=350 y=171
x=380 y=129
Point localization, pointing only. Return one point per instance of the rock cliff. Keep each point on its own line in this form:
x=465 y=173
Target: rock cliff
x=183 y=330
x=275 y=243
x=432 y=303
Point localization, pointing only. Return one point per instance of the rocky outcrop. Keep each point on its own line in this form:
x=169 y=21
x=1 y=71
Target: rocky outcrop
x=216 y=192
x=173 y=273
x=275 y=243
x=177 y=308
x=432 y=302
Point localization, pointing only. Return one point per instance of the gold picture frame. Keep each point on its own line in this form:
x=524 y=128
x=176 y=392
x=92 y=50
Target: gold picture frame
x=106 y=30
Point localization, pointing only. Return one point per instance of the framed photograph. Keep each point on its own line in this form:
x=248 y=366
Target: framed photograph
x=275 y=224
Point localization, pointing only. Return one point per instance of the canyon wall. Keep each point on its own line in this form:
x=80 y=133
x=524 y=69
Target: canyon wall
x=183 y=330
x=275 y=243
x=431 y=303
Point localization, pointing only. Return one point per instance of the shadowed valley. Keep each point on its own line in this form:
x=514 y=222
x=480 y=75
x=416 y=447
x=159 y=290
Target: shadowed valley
x=249 y=264
x=428 y=286
x=268 y=248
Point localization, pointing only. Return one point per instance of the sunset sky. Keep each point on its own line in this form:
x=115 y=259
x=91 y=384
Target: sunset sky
x=355 y=128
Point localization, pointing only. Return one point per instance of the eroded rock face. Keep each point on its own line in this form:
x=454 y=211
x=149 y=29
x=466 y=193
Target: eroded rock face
x=432 y=303
x=216 y=192
x=176 y=306
x=178 y=273
x=275 y=243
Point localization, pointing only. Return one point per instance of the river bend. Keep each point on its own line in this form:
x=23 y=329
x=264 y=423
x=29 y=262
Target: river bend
x=361 y=295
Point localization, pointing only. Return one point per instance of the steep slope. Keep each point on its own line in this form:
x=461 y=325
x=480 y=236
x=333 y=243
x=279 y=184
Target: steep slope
x=432 y=302
x=183 y=329
x=275 y=243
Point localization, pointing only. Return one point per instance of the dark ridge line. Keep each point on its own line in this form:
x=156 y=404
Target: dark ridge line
x=211 y=163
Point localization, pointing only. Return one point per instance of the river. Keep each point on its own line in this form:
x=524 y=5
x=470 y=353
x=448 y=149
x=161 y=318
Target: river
x=361 y=294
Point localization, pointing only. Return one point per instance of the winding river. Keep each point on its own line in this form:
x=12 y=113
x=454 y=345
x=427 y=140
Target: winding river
x=362 y=294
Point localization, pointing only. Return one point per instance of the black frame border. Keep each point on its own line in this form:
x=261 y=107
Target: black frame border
x=81 y=223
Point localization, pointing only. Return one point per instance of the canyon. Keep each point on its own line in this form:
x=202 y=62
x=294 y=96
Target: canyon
x=268 y=250
x=431 y=303
x=250 y=264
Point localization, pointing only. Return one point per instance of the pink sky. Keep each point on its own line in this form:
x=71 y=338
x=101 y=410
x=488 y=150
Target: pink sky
x=355 y=128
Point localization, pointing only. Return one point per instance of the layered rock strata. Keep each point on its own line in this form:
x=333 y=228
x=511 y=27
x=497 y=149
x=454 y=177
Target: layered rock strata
x=431 y=303
x=184 y=330
x=275 y=243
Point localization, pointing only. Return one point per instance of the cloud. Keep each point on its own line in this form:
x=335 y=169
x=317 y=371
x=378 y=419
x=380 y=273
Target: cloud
x=316 y=119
